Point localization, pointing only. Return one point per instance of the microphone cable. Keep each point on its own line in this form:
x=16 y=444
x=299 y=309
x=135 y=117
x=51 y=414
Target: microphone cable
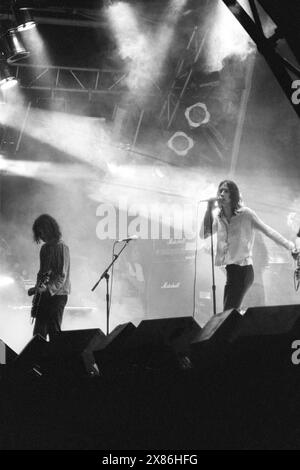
x=112 y=275
x=297 y=275
x=195 y=260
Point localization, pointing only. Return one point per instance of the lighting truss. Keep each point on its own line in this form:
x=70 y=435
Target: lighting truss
x=58 y=79
x=278 y=64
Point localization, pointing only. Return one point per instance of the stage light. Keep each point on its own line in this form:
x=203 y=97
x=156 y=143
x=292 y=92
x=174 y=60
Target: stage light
x=197 y=114
x=180 y=143
x=13 y=46
x=24 y=18
x=7 y=80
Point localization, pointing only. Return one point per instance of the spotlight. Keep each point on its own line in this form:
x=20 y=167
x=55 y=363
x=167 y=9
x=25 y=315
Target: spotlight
x=180 y=143
x=7 y=80
x=13 y=46
x=23 y=18
x=197 y=114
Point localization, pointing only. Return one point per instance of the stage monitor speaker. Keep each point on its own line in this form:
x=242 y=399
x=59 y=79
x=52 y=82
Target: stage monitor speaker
x=109 y=356
x=264 y=337
x=213 y=343
x=269 y=321
x=32 y=356
x=6 y=353
x=221 y=327
x=71 y=353
x=162 y=343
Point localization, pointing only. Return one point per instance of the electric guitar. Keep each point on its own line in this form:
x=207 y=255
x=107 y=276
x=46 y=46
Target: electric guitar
x=43 y=281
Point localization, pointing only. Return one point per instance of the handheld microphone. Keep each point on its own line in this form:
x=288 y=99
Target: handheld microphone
x=211 y=199
x=134 y=237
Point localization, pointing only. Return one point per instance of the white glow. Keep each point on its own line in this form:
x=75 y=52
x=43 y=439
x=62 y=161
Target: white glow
x=8 y=83
x=82 y=137
x=26 y=26
x=6 y=281
x=38 y=49
x=121 y=171
x=49 y=172
x=151 y=196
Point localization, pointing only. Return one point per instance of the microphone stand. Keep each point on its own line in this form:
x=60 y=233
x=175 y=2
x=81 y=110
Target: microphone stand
x=106 y=276
x=212 y=262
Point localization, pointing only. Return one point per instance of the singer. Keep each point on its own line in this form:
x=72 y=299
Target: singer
x=235 y=226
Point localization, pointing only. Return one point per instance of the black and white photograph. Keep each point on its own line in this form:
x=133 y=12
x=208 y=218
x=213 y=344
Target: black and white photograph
x=149 y=227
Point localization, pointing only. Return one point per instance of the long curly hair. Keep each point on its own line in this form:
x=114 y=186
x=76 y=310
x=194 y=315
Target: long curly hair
x=48 y=226
x=235 y=195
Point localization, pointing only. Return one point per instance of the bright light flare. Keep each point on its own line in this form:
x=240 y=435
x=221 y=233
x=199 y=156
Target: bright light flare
x=152 y=197
x=56 y=173
x=8 y=83
x=6 y=281
x=26 y=26
x=82 y=137
x=36 y=44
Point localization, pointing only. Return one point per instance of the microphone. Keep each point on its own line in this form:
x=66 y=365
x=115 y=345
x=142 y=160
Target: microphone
x=134 y=237
x=211 y=199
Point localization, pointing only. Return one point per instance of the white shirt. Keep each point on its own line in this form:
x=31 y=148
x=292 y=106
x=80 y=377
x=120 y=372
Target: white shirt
x=235 y=238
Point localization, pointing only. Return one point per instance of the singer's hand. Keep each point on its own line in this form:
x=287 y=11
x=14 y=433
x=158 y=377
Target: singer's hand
x=211 y=203
x=212 y=200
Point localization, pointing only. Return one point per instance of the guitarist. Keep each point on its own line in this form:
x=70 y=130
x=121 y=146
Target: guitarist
x=55 y=260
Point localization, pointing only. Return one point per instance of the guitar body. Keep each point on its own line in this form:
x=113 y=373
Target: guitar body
x=35 y=304
x=43 y=281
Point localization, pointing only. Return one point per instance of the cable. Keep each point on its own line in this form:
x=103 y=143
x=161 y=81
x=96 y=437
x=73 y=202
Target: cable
x=112 y=275
x=296 y=279
x=195 y=261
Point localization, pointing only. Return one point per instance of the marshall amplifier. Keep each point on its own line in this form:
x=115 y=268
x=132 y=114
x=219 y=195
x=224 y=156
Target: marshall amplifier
x=170 y=289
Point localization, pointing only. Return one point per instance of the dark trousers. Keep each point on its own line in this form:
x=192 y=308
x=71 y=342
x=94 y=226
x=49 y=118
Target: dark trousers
x=239 y=280
x=50 y=314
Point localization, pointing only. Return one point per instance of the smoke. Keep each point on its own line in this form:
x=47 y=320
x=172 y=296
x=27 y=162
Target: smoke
x=226 y=37
x=86 y=139
x=144 y=49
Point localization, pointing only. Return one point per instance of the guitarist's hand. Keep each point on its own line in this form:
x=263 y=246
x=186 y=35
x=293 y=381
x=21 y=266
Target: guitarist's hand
x=42 y=288
x=34 y=290
x=31 y=291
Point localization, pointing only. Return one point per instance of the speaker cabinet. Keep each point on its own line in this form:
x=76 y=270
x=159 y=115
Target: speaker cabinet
x=71 y=353
x=162 y=343
x=265 y=337
x=31 y=358
x=6 y=353
x=110 y=355
x=212 y=346
x=170 y=289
